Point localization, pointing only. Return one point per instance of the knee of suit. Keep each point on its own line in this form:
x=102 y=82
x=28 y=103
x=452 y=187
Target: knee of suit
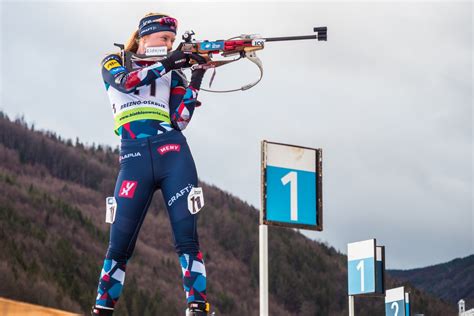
x=185 y=236
x=118 y=254
x=191 y=248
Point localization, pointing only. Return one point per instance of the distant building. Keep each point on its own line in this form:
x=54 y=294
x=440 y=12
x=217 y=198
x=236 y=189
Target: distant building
x=462 y=309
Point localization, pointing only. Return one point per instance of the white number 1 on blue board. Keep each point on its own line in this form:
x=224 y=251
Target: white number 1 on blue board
x=360 y=266
x=292 y=178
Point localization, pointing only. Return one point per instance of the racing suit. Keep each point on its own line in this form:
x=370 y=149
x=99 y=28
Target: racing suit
x=151 y=106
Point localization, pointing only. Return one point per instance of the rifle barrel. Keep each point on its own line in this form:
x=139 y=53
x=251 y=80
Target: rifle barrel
x=290 y=38
x=321 y=36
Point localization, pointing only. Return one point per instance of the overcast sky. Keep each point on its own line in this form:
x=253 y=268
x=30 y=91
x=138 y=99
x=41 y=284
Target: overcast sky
x=388 y=98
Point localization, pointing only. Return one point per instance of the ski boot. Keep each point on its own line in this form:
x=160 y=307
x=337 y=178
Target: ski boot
x=96 y=311
x=199 y=309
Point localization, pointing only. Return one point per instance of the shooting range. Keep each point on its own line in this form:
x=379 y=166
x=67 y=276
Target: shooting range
x=291 y=197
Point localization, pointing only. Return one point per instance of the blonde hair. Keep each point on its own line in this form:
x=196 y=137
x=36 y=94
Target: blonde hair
x=132 y=44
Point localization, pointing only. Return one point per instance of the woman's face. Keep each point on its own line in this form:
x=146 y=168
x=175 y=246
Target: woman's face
x=164 y=38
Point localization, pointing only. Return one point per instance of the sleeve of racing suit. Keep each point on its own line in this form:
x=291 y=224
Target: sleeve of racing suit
x=183 y=99
x=117 y=76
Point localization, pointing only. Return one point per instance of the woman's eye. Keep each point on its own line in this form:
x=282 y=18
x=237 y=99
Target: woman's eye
x=166 y=39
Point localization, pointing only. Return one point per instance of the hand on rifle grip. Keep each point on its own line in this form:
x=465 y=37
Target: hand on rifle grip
x=176 y=60
x=198 y=59
x=198 y=74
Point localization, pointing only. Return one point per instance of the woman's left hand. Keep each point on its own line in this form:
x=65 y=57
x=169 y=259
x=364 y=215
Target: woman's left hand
x=200 y=59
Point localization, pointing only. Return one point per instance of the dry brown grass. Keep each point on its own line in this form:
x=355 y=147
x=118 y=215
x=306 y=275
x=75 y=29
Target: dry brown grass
x=14 y=308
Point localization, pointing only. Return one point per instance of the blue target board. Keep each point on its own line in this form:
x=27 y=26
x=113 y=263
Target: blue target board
x=361 y=267
x=291 y=186
x=365 y=268
x=397 y=302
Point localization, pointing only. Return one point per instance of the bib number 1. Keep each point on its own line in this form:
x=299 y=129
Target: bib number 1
x=195 y=200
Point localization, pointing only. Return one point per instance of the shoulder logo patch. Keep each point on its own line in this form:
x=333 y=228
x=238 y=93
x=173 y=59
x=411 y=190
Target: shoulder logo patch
x=111 y=64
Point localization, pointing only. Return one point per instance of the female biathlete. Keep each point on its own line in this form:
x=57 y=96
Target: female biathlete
x=152 y=103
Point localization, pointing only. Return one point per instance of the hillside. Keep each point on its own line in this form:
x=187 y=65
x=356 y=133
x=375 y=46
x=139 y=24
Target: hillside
x=450 y=281
x=53 y=239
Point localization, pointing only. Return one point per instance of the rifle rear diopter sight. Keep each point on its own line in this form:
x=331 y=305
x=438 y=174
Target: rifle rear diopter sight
x=188 y=36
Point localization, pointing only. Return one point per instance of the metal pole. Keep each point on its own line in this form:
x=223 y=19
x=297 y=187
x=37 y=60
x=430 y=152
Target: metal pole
x=351 y=305
x=263 y=249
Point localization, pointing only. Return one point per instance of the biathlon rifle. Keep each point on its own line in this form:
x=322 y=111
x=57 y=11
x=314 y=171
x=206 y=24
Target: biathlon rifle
x=238 y=47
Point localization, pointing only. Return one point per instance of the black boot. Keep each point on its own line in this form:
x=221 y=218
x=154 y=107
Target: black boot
x=198 y=309
x=101 y=311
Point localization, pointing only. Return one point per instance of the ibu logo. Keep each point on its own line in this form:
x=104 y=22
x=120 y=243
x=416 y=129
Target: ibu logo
x=212 y=45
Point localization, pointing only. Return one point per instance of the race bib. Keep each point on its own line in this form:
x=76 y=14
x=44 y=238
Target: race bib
x=156 y=51
x=195 y=200
x=110 y=209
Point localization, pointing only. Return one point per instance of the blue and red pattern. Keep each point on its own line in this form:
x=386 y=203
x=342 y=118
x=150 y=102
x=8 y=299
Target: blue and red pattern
x=110 y=283
x=194 y=277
